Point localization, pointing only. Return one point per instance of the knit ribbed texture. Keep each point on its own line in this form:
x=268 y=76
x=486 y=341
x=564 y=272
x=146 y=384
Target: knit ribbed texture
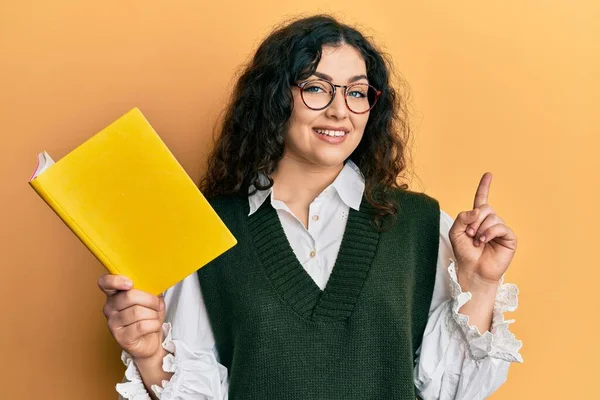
x=295 y=286
x=281 y=337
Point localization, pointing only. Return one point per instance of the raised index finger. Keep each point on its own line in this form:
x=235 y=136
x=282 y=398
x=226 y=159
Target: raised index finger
x=483 y=190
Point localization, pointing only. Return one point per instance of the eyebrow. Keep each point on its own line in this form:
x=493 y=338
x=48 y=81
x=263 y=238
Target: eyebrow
x=329 y=78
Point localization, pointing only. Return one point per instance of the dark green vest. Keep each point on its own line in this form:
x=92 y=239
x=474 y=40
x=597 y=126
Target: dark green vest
x=281 y=337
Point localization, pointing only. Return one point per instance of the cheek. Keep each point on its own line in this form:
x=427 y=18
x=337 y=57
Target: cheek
x=359 y=122
x=301 y=116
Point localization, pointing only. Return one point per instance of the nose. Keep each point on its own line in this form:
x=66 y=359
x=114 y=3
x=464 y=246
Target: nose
x=337 y=109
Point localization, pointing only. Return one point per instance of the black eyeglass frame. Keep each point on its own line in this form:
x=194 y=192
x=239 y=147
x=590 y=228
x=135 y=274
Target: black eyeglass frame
x=302 y=84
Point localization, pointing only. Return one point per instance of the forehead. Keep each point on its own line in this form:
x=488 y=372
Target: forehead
x=341 y=63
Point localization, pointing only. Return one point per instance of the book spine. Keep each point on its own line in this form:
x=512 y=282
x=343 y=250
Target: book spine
x=54 y=205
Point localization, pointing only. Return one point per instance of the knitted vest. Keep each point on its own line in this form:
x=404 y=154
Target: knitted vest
x=281 y=337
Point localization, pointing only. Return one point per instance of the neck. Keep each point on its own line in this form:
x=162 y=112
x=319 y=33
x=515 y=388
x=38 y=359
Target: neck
x=297 y=181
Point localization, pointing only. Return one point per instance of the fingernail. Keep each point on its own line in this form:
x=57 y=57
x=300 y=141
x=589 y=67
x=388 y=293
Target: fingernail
x=471 y=231
x=128 y=284
x=482 y=239
x=161 y=306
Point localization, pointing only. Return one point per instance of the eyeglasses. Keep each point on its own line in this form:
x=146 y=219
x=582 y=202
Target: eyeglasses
x=318 y=94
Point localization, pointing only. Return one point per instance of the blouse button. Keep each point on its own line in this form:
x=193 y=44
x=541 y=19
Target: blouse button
x=313 y=253
x=315 y=217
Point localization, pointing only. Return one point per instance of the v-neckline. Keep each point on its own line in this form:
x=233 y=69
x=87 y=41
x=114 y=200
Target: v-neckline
x=293 y=283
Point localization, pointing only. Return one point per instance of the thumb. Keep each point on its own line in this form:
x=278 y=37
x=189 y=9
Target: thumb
x=463 y=220
x=162 y=310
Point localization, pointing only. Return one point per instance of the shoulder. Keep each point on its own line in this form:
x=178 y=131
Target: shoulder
x=411 y=201
x=224 y=201
x=229 y=206
x=417 y=209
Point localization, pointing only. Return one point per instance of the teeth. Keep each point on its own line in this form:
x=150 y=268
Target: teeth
x=328 y=132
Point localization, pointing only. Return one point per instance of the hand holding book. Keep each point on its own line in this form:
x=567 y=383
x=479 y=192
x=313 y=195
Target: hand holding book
x=134 y=317
x=131 y=203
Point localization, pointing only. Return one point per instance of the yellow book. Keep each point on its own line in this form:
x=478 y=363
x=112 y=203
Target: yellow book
x=131 y=203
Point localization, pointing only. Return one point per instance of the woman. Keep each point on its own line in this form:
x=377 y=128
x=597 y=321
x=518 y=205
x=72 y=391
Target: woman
x=304 y=175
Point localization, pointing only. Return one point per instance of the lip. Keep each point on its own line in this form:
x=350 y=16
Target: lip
x=331 y=139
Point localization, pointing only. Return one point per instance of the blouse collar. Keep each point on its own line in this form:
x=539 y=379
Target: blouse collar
x=349 y=185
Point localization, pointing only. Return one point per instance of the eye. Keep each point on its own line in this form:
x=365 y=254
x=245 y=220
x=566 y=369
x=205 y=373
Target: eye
x=357 y=93
x=313 y=89
x=317 y=87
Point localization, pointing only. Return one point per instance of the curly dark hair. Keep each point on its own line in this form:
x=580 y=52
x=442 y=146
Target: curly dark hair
x=251 y=138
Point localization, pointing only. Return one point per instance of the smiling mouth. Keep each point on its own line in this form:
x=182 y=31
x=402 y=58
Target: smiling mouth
x=331 y=133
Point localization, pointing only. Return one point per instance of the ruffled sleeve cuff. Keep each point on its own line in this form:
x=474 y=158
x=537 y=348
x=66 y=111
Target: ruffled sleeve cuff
x=499 y=342
x=132 y=386
x=196 y=374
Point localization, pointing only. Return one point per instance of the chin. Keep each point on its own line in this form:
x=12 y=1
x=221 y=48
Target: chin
x=330 y=160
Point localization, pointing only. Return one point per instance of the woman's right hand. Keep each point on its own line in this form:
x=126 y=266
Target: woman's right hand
x=134 y=317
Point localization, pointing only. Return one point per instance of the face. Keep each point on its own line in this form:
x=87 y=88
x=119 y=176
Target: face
x=308 y=137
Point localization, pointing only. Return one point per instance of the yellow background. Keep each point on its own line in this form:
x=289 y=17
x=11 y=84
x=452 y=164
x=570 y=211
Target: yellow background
x=509 y=87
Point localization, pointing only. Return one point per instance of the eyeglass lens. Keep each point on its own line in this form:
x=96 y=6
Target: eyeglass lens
x=360 y=97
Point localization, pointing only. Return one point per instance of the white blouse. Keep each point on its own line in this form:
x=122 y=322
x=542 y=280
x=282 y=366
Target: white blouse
x=454 y=361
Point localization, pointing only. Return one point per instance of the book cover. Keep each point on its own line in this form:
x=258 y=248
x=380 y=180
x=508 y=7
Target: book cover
x=127 y=198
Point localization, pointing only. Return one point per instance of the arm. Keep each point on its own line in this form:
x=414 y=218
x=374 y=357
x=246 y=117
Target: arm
x=190 y=362
x=152 y=373
x=455 y=361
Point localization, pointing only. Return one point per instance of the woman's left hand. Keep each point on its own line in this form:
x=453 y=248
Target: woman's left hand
x=483 y=245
